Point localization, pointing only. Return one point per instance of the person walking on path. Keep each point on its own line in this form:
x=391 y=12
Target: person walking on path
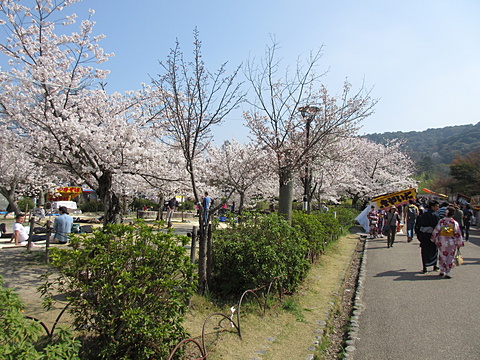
x=373 y=222
x=62 y=226
x=170 y=210
x=448 y=238
x=425 y=225
x=381 y=220
x=458 y=216
x=467 y=221
x=392 y=221
x=443 y=209
x=410 y=218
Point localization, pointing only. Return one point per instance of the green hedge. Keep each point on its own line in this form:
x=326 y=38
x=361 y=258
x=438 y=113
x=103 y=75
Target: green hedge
x=252 y=253
x=139 y=203
x=91 y=206
x=346 y=215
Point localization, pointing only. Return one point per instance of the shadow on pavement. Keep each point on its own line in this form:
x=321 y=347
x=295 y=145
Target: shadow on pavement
x=470 y=261
x=403 y=275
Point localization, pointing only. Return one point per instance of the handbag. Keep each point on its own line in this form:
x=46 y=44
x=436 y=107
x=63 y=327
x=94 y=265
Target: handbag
x=386 y=229
x=458 y=258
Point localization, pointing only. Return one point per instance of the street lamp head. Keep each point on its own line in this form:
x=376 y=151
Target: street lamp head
x=308 y=110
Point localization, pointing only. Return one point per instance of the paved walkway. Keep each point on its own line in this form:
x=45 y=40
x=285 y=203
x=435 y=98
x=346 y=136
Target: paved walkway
x=414 y=316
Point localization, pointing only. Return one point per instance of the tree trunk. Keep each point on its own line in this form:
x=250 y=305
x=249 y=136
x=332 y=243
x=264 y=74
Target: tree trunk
x=10 y=196
x=111 y=202
x=161 y=199
x=242 y=201
x=355 y=199
x=286 y=194
x=202 y=258
x=41 y=198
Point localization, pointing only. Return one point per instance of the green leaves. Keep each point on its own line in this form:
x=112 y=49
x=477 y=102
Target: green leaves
x=20 y=337
x=255 y=252
x=134 y=283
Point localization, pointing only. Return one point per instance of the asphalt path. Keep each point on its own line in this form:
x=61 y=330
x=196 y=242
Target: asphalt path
x=413 y=316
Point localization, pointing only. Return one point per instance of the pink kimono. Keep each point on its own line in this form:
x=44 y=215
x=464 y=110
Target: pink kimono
x=447 y=245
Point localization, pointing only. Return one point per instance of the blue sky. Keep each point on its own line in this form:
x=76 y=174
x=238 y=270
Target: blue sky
x=421 y=57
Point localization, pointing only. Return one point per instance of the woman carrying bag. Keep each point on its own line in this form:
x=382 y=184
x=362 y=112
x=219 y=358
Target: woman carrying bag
x=448 y=238
x=391 y=222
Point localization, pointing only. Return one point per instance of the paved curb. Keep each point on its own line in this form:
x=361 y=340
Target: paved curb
x=358 y=307
x=320 y=331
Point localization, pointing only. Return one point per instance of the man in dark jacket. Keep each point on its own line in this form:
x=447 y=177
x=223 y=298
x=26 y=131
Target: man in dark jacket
x=425 y=225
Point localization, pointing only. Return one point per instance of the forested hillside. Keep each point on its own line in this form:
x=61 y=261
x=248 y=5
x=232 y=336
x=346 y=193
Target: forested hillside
x=438 y=145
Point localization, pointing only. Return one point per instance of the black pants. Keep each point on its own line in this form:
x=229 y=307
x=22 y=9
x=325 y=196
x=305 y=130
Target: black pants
x=429 y=250
x=391 y=235
x=466 y=231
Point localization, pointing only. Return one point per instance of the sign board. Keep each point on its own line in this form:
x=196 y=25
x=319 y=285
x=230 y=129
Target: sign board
x=475 y=202
x=395 y=199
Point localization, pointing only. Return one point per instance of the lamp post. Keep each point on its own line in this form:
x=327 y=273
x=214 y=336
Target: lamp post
x=308 y=113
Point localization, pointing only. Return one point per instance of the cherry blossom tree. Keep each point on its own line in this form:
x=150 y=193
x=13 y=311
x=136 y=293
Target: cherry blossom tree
x=191 y=100
x=50 y=97
x=276 y=120
x=372 y=169
x=242 y=169
x=18 y=173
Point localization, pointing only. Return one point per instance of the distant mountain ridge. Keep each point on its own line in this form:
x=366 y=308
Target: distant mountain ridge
x=441 y=145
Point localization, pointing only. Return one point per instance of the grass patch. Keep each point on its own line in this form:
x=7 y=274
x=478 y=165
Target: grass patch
x=287 y=329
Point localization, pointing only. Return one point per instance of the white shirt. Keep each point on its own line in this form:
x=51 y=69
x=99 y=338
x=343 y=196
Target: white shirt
x=22 y=236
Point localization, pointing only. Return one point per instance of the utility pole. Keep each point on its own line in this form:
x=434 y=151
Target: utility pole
x=308 y=113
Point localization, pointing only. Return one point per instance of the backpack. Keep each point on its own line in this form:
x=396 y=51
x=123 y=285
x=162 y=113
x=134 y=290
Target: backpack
x=447 y=230
x=412 y=213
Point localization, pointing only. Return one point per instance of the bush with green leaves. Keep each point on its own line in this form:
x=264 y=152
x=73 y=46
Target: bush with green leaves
x=346 y=215
x=25 y=204
x=91 y=206
x=314 y=230
x=254 y=252
x=20 y=338
x=320 y=228
x=186 y=205
x=129 y=286
x=140 y=203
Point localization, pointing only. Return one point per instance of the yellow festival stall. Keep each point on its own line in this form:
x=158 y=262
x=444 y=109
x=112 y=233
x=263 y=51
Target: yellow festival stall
x=63 y=197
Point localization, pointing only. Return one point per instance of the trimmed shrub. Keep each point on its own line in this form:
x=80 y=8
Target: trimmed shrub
x=313 y=230
x=186 y=205
x=25 y=204
x=139 y=203
x=92 y=206
x=252 y=253
x=129 y=286
x=345 y=215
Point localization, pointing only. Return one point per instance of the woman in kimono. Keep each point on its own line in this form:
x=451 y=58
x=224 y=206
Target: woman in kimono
x=373 y=222
x=448 y=238
x=381 y=220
